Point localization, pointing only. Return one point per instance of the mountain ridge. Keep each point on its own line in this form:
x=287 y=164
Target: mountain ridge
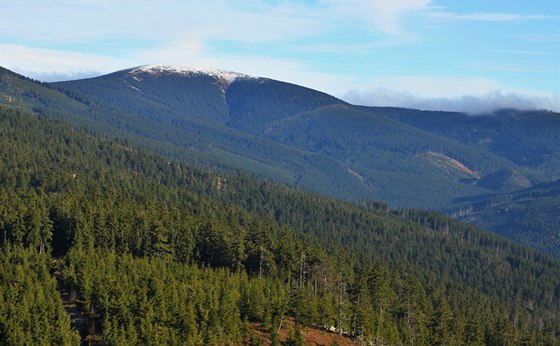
x=258 y=107
x=304 y=138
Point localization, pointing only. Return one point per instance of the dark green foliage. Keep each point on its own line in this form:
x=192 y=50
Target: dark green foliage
x=160 y=302
x=431 y=241
x=295 y=338
x=31 y=311
x=530 y=216
x=160 y=253
x=527 y=138
x=389 y=159
x=307 y=139
x=255 y=104
x=304 y=138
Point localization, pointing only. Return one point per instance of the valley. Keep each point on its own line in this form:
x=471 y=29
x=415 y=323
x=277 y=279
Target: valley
x=305 y=139
x=197 y=205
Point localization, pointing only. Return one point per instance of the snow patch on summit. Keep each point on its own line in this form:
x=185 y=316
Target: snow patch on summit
x=182 y=70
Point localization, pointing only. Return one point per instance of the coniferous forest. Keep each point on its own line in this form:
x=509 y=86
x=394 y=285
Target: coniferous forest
x=492 y=170
x=153 y=252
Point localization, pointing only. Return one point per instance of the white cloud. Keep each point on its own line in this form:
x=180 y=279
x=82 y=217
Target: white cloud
x=64 y=22
x=437 y=86
x=49 y=65
x=539 y=38
x=521 y=52
x=52 y=65
x=62 y=39
x=472 y=104
x=381 y=14
x=490 y=17
x=493 y=66
x=474 y=95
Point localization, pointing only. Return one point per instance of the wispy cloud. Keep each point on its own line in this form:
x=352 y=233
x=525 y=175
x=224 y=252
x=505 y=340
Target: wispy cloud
x=490 y=17
x=431 y=87
x=539 y=38
x=493 y=66
x=73 y=32
x=64 y=65
x=520 y=52
x=382 y=15
x=80 y=21
x=50 y=65
x=330 y=45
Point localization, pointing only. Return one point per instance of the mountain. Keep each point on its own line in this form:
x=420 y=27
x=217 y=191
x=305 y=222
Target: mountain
x=294 y=135
x=307 y=139
x=530 y=216
x=526 y=138
x=153 y=251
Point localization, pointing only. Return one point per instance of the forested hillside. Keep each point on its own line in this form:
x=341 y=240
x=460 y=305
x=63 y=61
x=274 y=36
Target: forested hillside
x=303 y=138
x=530 y=216
x=299 y=136
x=30 y=305
x=527 y=138
x=156 y=252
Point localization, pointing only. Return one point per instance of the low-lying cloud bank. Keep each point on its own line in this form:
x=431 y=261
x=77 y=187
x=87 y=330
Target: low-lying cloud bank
x=50 y=77
x=472 y=104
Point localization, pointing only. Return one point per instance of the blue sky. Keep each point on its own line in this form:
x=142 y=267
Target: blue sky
x=469 y=55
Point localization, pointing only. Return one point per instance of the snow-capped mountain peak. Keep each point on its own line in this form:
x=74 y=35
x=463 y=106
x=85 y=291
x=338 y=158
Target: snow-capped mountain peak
x=184 y=70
